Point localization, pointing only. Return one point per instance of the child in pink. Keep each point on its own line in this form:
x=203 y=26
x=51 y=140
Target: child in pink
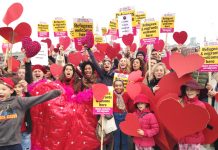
x=148 y=123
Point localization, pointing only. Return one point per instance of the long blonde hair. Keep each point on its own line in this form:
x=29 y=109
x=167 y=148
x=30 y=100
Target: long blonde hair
x=127 y=68
x=154 y=68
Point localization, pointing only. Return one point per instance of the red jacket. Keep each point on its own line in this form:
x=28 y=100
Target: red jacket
x=197 y=137
x=149 y=125
x=128 y=102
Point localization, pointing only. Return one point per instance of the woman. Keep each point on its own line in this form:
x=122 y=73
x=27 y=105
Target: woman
x=123 y=66
x=137 y=64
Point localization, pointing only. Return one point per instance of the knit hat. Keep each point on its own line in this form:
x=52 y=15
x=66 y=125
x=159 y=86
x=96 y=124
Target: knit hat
x=192 y=84
x=141 y=98
x=40 y=67
x=140 y=52
x=7 y=81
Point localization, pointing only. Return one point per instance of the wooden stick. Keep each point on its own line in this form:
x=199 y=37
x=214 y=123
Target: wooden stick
x=149 y=59
x=209 y=79
x=102 y=130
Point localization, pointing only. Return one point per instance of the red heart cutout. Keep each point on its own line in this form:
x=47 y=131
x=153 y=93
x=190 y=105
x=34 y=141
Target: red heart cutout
x=128 y=39
x=135 y=76
x=99 y=91
x=111 y=52
x=85 y=57
x=102 y=47
x=211 y=135
x=159 y=45
x=133 y=89
x=173 y=84
x=48 y=41
x=65 y=41
x=75 y=58
x=99 y=56
x=216 y=97
x=14 y=63
x=116 y=46
x=143 y=48
x=88 y=40
x=180 y=37
x=6 y=46
x=182 y=121
x=177 y=62
x=130 y=125
x=56 y=70
x=133 y=47
x=78 y=44
x=13 y=13
x=31 y=47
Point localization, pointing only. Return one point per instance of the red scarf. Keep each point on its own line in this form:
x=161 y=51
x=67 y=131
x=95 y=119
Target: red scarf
x=190 y=100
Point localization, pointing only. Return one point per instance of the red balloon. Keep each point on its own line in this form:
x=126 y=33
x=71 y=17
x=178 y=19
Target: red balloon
x=13 y=13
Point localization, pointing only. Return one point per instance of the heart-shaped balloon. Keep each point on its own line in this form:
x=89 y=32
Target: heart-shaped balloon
x=133 y=47
x=128 y=39
x=159 y=45
x=99 y=91
x=13 y=36
x=102 y=47
x=180 y=37
x=75 y=58
x=56 y=70
x=177 y=62
x=65 y=42
x=48 y=41
x=130 y=125
x=211 y=132
x=31 y=47
x=182 y=121
x=13 y=13
x=13 y=64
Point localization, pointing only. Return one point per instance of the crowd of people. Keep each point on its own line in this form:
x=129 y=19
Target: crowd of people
x=67 y=122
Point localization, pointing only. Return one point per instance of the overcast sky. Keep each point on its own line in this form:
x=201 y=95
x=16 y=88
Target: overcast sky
x=198 y=18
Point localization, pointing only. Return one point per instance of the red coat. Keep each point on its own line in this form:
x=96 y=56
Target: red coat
x=149 y=125
x=128 y=102
x=197 y=137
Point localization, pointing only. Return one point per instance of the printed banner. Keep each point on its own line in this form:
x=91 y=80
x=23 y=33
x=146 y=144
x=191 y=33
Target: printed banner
x=149 y=32
x=167 y=24
x=81 y=26
x=124 y=25
x=123 y=77
x=112 y=28
x=42 y=57
x=98 y=39
x=71 y=33
x=104 y=31
x=210 y=54
x=43 y=30
x=106 y=105
x=60 y=28
x=138 y=17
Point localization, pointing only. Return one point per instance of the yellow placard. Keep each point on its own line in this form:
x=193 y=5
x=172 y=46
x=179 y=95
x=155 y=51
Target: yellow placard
x=167 y=21
x=59 y=25
x=139 y=17
x=113 y=25
x=149 y=29
x=71 y=33
x=98 y=39
x=106 y=105
x=43 y=28
x=131 y=12
x=123 y=77
x=80 y=28
x=104 y=30
x=210 y=54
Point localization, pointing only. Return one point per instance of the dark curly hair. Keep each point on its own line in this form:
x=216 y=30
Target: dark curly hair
x=83 y=65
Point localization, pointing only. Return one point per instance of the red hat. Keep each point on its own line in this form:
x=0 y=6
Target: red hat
x=141 y=98
x=192 y=84
x=40 y=67
x=7 y=81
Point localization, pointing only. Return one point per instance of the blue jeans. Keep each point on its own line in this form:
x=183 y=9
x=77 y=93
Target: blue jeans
x=120 y=139
x=26 y=141
x=11 y=147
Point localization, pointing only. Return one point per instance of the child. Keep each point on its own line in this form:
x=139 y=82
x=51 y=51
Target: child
x=148 y=123
x=12 y=110
x=121 y=105
x=189 y=95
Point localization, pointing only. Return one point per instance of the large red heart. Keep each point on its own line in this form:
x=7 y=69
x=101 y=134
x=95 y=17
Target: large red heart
x=128 y=39
x=180 y=37
x=173 y=84
x=31 y=47
x=116 y=46
x=99 y=91
x=14 y=64
x=135 y=76
x=133 y=47
x=75 y=58
x=133 y=89
x=48 y=41
x=216 y=97
x=88 y=40
x=102 y=47
x=159 y=45
x=112 y=52
x=211 y=132
x=13 y=13
x=182 y=121
x=99 y=56
x=65 y=41
x=56 y=70
x=177 y=62
x=130 y=125
x=13 y=36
